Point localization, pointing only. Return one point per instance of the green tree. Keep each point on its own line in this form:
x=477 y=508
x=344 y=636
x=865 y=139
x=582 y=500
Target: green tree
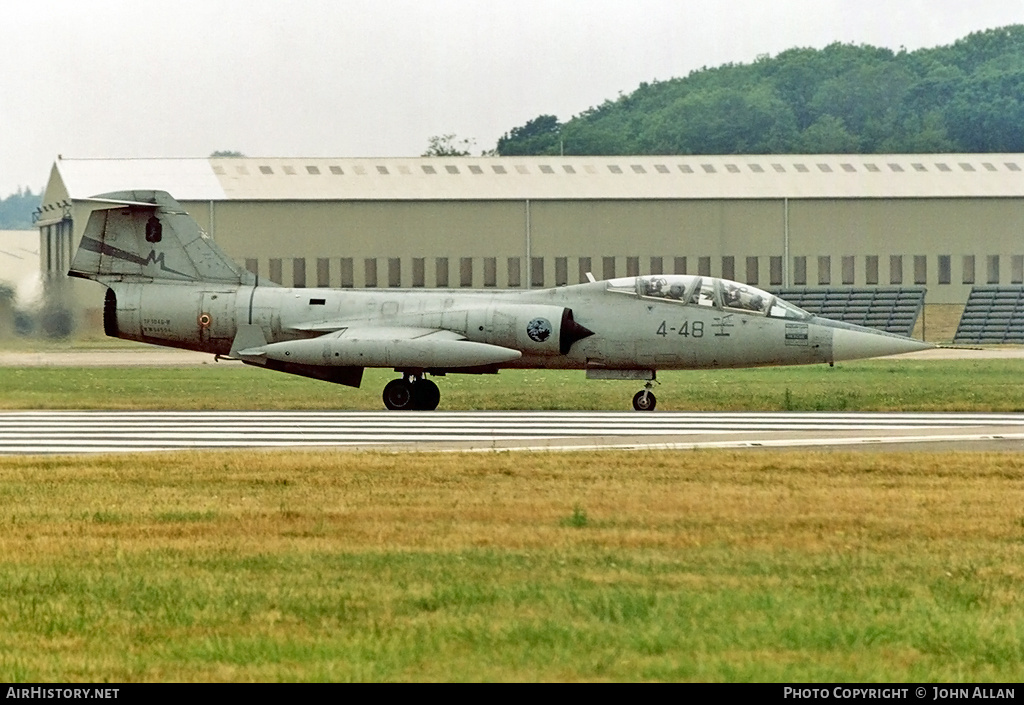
x=968 y=96
x=828 y=135
x=866 y=99
x=538 y=136
x=448 y=146
x=17 y=209
x=987 y=114
x=724 y=121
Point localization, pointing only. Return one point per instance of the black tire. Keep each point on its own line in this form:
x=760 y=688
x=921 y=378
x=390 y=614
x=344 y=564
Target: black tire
x=425 y=395
x=398 y=395
x=644 y=401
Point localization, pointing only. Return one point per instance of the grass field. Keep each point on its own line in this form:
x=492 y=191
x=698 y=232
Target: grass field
x=872 y=385
x=707 y=566
x=691 y=565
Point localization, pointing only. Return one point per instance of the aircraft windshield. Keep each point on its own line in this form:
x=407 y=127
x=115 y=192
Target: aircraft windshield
x=708 y=291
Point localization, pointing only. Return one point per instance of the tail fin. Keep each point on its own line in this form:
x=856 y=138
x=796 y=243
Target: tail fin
x=148 y=235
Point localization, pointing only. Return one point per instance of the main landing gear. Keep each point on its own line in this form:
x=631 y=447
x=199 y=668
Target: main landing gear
x=644 y=399
x=411 y=393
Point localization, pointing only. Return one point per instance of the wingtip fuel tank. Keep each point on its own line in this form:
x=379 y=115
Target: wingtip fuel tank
x=399 y=348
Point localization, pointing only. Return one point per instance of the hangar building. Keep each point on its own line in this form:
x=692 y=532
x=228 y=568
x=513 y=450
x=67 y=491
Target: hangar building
x=943 y=221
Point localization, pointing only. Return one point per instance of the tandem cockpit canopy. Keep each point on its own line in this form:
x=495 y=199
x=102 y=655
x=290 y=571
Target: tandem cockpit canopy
x=708 y=291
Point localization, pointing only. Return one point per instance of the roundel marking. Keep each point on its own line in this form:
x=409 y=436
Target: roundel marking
x=539 y=329
x=205 y=320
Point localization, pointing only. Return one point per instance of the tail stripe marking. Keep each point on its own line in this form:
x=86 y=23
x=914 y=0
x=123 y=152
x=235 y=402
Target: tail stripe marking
x=104 y=249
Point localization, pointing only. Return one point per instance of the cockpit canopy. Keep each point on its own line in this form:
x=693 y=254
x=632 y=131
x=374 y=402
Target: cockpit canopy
x=713 y=292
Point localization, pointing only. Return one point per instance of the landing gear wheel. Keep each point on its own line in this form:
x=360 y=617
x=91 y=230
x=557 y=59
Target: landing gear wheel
x=644 y=400
x=425 y=395
x=398 y=395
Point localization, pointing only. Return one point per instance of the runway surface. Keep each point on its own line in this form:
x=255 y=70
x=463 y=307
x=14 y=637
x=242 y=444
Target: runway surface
x=48 y=432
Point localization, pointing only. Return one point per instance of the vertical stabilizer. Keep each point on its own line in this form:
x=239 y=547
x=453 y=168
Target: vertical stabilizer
x=147 y=235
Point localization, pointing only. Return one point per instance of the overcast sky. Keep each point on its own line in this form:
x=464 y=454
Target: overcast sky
x=349 y=78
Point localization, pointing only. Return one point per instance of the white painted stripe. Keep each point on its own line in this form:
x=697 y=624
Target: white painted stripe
x=119 y=431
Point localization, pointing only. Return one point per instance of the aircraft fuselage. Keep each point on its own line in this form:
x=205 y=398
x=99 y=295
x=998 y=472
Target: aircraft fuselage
x=169 y=284
x=630 y=331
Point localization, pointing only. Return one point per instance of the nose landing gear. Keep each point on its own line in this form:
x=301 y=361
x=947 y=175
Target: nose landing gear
x=411 y=392
x=644 y=399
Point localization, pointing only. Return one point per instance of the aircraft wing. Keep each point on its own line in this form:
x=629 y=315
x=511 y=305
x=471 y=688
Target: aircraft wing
x=319 y=327
x=399 y=347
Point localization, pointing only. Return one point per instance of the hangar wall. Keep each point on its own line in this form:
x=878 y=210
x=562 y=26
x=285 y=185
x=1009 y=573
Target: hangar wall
x=946 y=222
x=945 y=245
x=270 y=237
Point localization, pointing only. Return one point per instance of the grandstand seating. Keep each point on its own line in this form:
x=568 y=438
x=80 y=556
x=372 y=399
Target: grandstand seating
x=994 y=314
x=892 y=309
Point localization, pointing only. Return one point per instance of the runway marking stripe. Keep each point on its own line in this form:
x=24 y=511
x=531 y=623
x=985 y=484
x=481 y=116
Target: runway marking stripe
x=487 y=426
x=796 y=442
x=106 y=431
x=442 y=433
x=652 y=416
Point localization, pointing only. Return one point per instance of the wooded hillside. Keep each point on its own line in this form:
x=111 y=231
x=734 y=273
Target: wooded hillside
x=966 y=97
x=16 y=210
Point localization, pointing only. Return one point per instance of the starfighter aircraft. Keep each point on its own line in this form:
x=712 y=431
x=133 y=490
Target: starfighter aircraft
x=169 y=284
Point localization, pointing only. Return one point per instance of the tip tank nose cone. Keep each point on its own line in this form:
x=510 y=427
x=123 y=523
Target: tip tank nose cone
x=859 y=344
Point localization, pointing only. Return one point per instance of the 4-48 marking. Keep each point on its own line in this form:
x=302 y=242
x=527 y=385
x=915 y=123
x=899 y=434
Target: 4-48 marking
x=686 y=329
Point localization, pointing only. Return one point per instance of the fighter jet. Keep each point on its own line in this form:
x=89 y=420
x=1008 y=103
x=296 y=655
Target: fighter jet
x=169 y=284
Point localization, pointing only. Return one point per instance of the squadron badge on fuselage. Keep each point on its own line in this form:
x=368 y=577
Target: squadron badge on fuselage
x=539 y=329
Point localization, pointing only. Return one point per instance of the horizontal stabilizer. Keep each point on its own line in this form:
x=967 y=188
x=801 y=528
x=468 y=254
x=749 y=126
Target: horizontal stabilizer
x=120 y=203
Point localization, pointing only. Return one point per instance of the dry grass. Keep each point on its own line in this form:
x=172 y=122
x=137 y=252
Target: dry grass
x=513 y=566
x=938 y=322
x=373 y=501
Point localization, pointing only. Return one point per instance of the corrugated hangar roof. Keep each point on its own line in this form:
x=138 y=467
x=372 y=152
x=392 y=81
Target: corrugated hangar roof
x=555 y=178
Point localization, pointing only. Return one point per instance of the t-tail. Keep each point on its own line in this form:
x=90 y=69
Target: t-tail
x=147 y=236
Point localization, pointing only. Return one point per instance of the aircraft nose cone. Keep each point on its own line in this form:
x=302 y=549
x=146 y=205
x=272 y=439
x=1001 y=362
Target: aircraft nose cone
x=859 y=343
